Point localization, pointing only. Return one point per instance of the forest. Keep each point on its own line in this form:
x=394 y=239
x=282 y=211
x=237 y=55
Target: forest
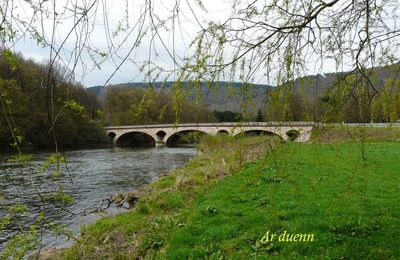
x=130 y=106
x=27 y=105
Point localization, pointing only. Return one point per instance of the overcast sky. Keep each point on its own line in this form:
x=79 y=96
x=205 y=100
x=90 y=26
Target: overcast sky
x=106 y=17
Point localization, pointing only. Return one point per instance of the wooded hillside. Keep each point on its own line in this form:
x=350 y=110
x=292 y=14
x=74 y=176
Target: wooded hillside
x=29 y=108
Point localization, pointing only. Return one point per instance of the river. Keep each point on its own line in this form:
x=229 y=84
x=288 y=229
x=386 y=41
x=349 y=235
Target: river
x=94 y=174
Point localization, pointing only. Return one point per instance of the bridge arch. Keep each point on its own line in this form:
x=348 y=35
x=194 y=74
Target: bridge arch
x=184 y=137
x=111 y=135
x=160 y=136
x=135 y=139
x=253 y=132
x=292 y=134
x=223 y=132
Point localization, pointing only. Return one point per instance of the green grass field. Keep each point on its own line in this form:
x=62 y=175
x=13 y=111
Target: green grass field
x=221 y=205
x=352 y=209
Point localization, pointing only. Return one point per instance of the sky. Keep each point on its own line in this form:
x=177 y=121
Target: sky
x=99 y=36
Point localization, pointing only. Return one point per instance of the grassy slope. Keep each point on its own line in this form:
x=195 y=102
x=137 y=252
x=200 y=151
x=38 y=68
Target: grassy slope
x=325 y=189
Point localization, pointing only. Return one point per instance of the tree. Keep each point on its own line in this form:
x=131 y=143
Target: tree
x=259 y=117
x=228 y=116
x=24 y=101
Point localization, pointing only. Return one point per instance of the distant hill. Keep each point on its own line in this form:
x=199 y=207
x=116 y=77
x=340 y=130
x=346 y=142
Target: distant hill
x=315 y=86
x=227 y=96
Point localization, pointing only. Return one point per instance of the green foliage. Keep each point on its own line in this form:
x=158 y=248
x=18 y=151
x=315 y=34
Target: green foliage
x=279 y=103
x=386 y=106
x=348 y=98
x=129 y=106
x=21 y=159
x=259 y=117
x=11 y=59
x=74 y=106
x=190 y=137
x=21 y=244
x=228 y=116
x=17 y=209
x=4 y=221
x=27 y=235
x=28 y=117
x=59 y=197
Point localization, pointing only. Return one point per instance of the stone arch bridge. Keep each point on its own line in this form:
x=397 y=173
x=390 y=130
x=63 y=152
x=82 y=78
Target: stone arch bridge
x=168 y=134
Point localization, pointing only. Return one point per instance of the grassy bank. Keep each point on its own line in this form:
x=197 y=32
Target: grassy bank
x=162 y=204
x=221 y=204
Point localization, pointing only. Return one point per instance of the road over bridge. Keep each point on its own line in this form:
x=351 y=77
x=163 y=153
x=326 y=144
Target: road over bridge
x=169 y=134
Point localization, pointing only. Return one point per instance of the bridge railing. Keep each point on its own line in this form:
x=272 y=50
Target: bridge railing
x=360 y=124
x=220 y=124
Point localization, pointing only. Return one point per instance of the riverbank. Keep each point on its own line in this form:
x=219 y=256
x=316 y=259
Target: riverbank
x=220 y=205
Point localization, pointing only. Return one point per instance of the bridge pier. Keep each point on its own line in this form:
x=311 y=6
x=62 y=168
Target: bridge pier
x=160 y=143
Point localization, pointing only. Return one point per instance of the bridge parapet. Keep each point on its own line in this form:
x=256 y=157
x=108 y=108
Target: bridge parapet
x=219 y=124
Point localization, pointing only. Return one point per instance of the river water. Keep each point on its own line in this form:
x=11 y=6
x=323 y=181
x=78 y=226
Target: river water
x=93 y=176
